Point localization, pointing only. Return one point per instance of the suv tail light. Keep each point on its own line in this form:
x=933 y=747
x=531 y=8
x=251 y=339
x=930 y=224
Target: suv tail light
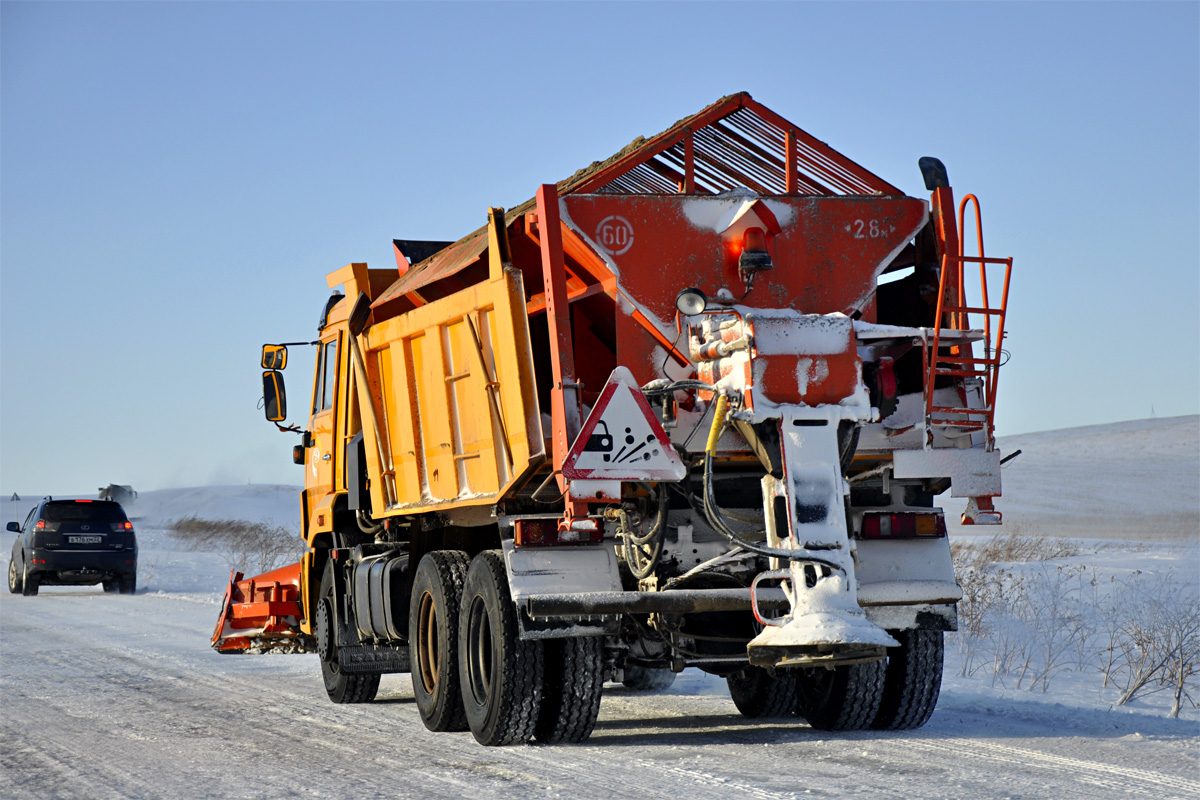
x=903 y=525
x=122 y=526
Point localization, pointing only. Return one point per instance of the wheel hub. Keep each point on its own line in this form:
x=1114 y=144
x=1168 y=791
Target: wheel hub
x=324 y=631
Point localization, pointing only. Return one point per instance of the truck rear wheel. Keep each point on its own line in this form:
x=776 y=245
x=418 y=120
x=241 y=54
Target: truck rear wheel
x=912 y=681
x=501 y=675
x=844 y=698
x=574 y=672
x=757 y=693
x=341 y=688
x=433 y=639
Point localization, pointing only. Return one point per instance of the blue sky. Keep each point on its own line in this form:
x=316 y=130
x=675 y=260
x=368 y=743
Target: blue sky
x=177 y=178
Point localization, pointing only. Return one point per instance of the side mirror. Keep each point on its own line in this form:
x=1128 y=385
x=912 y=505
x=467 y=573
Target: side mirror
x=274 y=396
x=15 y=527
x=274 y=356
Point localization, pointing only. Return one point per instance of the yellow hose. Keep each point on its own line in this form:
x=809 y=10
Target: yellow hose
x=718 y=423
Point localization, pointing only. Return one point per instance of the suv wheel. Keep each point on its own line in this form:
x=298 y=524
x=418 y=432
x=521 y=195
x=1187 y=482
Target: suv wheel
x=14 y=577
x=29 y=583
x=127 y=583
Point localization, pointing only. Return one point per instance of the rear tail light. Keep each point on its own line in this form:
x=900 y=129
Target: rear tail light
x=83 y=501
x=122 y=526
x=903 y=525
x=547 y=532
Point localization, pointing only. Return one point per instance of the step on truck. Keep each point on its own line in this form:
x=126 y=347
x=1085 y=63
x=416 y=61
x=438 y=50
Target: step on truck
x=690 y=407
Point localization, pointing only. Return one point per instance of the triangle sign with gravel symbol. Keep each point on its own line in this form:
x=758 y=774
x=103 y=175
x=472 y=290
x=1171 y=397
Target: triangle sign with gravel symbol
x=622 y=440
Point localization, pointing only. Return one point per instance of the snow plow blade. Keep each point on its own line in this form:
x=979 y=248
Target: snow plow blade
x=262 y=614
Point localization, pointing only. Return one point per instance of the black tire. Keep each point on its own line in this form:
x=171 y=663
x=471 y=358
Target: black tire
x=912 y=681
x=647 y=679
x=433 y=639
x=127 y=584
x=501 y=675
x=111 y=586
x=844 y=698
x=29 y=582
x=341 y=687
x=14 y=577
x=574 y=681
x=757 y=693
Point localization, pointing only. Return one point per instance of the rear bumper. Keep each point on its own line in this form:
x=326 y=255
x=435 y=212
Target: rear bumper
x=933 y=609
x=81 y=566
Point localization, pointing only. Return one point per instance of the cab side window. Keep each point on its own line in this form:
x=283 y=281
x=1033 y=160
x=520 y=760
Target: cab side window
x=326 y=378
x=316 y=401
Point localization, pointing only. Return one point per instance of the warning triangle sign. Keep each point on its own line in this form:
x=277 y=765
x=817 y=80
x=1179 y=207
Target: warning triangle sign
x=622 y=440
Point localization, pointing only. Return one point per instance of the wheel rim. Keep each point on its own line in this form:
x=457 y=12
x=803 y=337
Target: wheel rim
x=12 y=574
x=324 y=633
x=428 y=655
x=479 y=651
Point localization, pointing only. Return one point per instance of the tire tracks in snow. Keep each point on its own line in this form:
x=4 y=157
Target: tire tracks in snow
x=1109 y=776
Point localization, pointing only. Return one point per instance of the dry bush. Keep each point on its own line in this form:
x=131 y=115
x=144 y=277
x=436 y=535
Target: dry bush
x=1030 y=621
x=248 y=547
x=1153 y=638
x=1016 y=546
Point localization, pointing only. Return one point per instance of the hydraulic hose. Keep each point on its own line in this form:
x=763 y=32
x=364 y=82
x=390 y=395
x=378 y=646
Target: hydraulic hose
x=713 y=512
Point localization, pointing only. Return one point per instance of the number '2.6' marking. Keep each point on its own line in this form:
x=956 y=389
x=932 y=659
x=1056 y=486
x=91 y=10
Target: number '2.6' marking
x=870 y=228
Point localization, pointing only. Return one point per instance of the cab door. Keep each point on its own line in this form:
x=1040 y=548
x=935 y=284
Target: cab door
x=322 y=458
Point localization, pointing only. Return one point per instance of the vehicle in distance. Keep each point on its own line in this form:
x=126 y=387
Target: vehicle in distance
x=74 y=543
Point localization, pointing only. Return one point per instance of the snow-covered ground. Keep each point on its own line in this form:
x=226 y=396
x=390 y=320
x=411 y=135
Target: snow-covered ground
x=107 y=696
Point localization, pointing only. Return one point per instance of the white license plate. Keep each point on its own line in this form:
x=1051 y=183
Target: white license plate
x=85 y=539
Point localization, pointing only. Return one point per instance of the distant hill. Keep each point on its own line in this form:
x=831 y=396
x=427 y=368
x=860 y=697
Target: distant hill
x=275 y=505
x=1135 y=480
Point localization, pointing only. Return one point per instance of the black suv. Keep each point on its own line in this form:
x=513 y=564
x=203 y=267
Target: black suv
x=74 y=542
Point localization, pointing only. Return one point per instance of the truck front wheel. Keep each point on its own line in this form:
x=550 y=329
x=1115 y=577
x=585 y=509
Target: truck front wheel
x=341 y=687
x=433 y=633
x=501 y=675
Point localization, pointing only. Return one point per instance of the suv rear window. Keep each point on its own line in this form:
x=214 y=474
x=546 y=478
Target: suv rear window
x=97 y=511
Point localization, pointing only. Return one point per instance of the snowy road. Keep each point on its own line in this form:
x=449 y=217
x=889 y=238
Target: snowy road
x=119 y=697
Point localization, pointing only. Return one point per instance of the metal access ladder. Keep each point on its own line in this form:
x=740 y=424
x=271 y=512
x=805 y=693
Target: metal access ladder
x=957 y=358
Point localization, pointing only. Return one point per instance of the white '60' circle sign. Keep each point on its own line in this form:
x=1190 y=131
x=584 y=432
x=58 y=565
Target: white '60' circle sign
x=615 y=235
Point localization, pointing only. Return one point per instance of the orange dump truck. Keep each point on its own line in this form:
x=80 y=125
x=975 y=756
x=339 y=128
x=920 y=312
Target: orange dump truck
x=690 y=407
